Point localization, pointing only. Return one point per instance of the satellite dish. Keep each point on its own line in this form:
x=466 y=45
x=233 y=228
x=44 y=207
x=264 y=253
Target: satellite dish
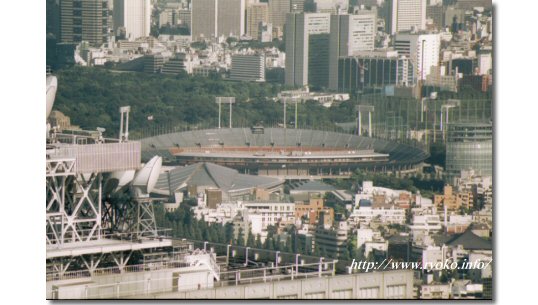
x=110 y=185
x=52 y=86
x=118 y=180
x=123 y=177
x=146 y=178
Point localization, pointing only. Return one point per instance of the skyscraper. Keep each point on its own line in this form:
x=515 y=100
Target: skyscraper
x=256 y=13
x=307 y=49
x=204 y=19
x=84 y=20
x=277 y=12
x=213 y=18
x=231 y=17
x=297 y=6
x=349 y=34
x=405 y=15
x=134 y=16
x=422 y=48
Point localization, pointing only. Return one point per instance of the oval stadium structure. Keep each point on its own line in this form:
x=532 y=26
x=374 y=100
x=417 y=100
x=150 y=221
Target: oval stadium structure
x=288 y=153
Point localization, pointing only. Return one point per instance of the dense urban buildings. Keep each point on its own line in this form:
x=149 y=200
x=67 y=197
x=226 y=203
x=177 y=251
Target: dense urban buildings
x=276 y=149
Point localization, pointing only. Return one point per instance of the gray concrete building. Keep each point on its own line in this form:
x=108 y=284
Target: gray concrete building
x=248 y=68
x=349 y=34
x=84 y=20
x=307 y=49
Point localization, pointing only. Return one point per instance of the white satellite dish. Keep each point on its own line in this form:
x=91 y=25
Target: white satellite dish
x=146 y=178
x=123 y=177
x=52 y=86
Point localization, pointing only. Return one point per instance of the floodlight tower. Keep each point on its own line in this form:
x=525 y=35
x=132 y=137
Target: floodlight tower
x=225 y=100
x=295 y=100
x=360 y=109
x=432 y=97
x=124 y=133
x=452 y=103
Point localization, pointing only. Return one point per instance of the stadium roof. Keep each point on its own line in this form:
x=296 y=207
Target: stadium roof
x=211 y=175
x=314 y=186
x=277 y=137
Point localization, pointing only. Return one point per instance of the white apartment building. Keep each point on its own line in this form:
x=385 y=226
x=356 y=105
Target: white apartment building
x=224 y=213
x=426 y=223
x=364 y=215
x=134 y=16
x=422 y=48
x=263 y=214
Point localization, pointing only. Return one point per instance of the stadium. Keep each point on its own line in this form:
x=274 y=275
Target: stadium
x=284 y=152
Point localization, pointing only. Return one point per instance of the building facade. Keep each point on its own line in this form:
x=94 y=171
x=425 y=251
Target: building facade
x=256 y=13
x=349 y=34
x=277 y=12
x=374 y=70
x=404 y=15
x=248 y=68
x=134 y=16
x=213 y=18
x=84 y=20
x=469 y=146
x=422 y=48
x=307 y=49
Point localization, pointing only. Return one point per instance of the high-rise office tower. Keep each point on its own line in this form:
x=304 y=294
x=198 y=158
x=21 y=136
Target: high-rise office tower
x=84 y=20
x=327 y=6
x=231 y=17
x=405 y=15
x=204 y=19
x=213 y=18
x=277 y=12
x=349 y=34
x=297 y=6
x=307 y=49
x=134 y=16
x=256 y=14
x=422 y=48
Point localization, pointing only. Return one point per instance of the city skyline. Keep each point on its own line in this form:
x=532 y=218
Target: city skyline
x=244 y=149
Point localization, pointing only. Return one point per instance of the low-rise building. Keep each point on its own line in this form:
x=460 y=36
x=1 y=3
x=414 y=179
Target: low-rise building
x=435 y=291
x=332 y=240
x=246 y=67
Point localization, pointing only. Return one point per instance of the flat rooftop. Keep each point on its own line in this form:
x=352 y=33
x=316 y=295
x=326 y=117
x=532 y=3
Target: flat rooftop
x=104 y=245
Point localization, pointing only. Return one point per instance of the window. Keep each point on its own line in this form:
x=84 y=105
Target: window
x=395 y=292
x=369 y=293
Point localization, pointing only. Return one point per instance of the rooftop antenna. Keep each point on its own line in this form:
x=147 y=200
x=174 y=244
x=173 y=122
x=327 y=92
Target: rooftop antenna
x=124 y=134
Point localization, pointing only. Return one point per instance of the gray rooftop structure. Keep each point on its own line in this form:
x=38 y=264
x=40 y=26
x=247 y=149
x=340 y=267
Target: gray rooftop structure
x=209 y=175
